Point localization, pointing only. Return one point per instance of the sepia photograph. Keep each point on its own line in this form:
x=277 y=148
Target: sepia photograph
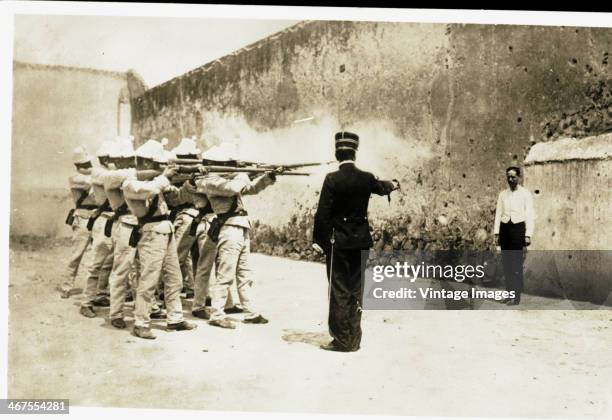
x=273 y=210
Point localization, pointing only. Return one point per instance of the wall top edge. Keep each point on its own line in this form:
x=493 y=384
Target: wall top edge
x=38 y=66
x=249 y=47
x=588 y=148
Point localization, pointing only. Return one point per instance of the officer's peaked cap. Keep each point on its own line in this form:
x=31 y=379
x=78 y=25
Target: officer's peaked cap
x=347 y=141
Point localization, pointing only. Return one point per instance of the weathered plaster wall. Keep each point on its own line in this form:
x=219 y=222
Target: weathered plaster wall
x=571 y=183
x=55 y=109
x=443 y=108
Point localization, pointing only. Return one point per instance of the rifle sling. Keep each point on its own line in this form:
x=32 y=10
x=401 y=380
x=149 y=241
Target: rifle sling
x=92 y=219
x=176 y=210
x=79 y=205
x=217 y=224
x=121 y=210
x=193 y=228
x=147 y=218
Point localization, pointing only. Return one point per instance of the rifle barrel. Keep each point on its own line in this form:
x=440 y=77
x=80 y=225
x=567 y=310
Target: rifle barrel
x=249 y=170
x=243 y=164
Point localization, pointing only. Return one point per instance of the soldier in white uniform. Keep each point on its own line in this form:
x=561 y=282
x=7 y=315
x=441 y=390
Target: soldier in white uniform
x=233 y=241
x=184 y=213
x=84 y=205
x=120 y=228
x=155 y=243
x=102 y=262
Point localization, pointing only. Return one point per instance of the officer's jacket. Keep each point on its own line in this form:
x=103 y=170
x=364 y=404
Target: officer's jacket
x=80 y=184
x=221 y=192
x=139 y=196
x=343 y=208
x=112 y=181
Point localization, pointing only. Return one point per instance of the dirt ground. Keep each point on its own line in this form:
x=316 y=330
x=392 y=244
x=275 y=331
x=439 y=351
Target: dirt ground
x=539 y=364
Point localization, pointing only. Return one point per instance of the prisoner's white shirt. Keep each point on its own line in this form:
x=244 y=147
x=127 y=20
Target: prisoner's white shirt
x=516 y=207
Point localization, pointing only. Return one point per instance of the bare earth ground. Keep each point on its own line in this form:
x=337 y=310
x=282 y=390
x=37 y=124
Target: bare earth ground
x=438 y=363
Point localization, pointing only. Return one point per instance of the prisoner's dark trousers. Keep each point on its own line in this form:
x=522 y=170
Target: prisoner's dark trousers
x=512 y=243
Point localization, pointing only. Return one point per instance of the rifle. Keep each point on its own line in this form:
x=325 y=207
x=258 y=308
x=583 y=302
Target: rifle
x=187 y=172
x=195 y=169
x=244 y=164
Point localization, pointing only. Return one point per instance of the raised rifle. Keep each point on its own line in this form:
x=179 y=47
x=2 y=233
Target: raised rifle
x=233 y=163
x=187 y=172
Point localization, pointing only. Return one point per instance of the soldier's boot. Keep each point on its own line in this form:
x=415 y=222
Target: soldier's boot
x=87 y=311
x=118 y=323
x=181 y=326
x=144 y=332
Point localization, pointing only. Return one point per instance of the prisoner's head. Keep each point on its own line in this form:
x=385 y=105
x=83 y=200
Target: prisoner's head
x=513 y=176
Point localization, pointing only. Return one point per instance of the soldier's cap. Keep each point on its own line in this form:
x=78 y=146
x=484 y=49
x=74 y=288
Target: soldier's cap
x=222 y=152
x=346 y=140
x=187 y=146
x=127 y=148
x=115 y=150
x=165 y=157
x=80 y=155
x=104 y=148
x=152 y=150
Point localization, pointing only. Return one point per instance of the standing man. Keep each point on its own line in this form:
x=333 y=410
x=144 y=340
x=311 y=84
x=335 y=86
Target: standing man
x=513 y=228
x=232 y=238
x=342 y=232
x=182 y=216
x=154 y=240
x=84 y=205
x=120 y=228
x=206 y=254
x=102 y=261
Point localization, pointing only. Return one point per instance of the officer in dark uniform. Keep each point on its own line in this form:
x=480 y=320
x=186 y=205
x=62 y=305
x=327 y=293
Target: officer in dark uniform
x=341 y=230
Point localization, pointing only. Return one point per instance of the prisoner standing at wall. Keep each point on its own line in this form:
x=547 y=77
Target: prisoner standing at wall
x=154 y=239
x=513 y=228
x=341 y=230
x=102 y=261
x=232 y=236
x=84 y=204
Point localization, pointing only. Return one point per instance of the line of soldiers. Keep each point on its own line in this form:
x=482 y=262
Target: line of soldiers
x=152 y=238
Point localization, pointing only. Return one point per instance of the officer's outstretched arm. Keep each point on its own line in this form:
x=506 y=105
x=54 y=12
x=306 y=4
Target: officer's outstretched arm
x=383 y=187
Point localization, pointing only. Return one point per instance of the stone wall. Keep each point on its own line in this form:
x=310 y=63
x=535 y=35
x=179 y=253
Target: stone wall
x=571 y=184
x=443 y=108
x=55 y=109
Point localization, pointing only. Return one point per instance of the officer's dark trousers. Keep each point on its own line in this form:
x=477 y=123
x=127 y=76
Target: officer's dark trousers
x=512 y=242
x=346 y=297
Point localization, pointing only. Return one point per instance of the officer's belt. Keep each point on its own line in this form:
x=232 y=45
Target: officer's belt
x=121 y=210
x=351 y=219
